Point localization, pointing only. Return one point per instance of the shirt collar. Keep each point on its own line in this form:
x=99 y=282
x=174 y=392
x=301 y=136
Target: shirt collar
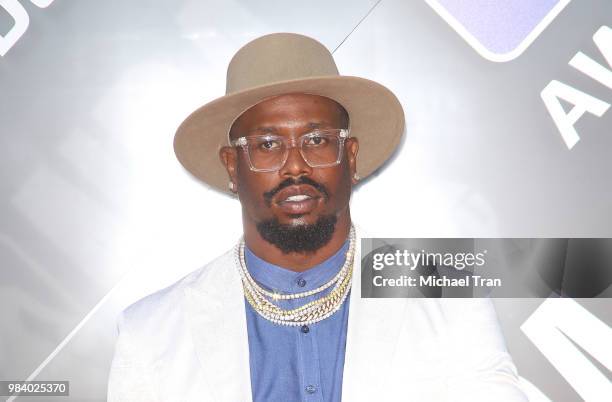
x=284 y=280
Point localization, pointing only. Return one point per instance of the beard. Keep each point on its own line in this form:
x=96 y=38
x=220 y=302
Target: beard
x=298 y=238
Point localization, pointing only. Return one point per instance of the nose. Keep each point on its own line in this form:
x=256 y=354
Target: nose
x=295 y=165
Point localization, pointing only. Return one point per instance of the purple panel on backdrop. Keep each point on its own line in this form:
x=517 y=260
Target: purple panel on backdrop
x=499 y=25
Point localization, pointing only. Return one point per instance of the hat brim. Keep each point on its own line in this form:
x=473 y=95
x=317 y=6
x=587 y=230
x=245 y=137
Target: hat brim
x=376 y=119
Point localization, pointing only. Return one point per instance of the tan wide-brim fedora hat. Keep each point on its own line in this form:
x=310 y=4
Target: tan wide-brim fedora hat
x=282 y=63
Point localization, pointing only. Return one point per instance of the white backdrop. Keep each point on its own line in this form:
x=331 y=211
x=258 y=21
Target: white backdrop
x=96 y=211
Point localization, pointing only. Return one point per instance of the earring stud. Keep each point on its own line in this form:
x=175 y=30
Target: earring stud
x=356 y=177
x=231 y=186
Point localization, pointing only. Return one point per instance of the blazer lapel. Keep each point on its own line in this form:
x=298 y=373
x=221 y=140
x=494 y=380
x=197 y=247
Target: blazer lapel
x=373 y=331
x=216 y=315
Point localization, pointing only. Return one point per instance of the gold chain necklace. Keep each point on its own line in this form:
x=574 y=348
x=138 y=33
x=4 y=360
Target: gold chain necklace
x=310 y=312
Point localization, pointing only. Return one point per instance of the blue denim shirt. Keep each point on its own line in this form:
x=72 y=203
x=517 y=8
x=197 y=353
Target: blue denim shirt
x=296 y=363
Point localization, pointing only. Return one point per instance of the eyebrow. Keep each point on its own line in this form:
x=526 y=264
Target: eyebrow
x=311 y=124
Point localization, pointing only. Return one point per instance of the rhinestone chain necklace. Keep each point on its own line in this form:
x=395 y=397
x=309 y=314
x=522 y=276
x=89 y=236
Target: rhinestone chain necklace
x=309 y=313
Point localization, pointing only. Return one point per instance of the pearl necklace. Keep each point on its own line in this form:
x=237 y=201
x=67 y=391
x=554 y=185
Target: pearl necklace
x=310 y=312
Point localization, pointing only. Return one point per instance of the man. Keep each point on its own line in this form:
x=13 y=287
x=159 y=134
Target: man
x=279 y=317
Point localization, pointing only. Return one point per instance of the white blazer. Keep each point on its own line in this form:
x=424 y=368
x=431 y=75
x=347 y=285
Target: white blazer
x=188 y=342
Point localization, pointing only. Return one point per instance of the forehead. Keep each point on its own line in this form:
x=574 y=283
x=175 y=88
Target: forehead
x=288 y=111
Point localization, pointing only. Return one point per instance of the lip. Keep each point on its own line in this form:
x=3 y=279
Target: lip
x=299 y=206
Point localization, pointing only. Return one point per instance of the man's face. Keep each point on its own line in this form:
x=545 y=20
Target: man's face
x=264 y=195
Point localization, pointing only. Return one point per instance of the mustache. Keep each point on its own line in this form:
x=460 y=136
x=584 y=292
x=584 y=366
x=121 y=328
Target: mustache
x=293 y=182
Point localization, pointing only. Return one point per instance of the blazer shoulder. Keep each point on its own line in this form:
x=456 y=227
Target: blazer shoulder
x=145 y=318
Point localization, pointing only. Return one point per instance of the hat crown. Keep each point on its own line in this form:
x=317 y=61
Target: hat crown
x=278 y=57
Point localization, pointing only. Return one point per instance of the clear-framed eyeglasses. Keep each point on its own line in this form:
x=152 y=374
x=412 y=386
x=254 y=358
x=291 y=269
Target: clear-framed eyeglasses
x=319 y=148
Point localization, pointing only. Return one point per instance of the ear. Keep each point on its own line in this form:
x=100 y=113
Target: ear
x=229 y=158
x=352 y=147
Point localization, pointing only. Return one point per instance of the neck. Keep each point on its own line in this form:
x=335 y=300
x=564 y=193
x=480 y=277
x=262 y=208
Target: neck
x=297 y=262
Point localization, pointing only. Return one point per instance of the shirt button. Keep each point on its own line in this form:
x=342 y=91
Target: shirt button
x=305 y=329
x=301 y=282
x=311 y=389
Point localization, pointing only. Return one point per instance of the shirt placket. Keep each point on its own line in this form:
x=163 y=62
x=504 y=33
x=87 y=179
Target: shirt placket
x=309 y=354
